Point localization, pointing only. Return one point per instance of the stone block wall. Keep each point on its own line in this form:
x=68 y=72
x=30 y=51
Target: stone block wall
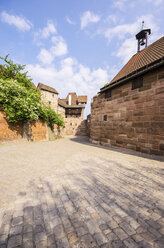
x=38 y=131
x=75 y=126
x=134 y=119
x=9 y=131
x=50 y=98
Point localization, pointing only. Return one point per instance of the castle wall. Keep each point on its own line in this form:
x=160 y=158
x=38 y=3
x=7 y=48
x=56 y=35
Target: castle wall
x=131 y=119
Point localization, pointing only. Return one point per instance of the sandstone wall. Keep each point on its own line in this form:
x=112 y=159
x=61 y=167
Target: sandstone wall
x=9 y=131
x=38 y=131
x=135 y=118
x=75 y=126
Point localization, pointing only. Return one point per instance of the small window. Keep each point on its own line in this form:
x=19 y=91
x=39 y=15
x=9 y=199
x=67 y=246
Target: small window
x=49 y=103
x=108 y=94
x=137 y=83
x=105 y=117
x=53 y=95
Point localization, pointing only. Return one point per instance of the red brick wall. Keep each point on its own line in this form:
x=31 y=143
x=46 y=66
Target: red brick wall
x=9 y=131
x=135 y=118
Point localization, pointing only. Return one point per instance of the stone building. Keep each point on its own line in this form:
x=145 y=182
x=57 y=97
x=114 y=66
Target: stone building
x=49 y=95
x=71 y=108
x=129 y=111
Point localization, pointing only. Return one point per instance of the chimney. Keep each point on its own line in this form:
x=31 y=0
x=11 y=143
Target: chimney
x=142 y=37
x=69 y=99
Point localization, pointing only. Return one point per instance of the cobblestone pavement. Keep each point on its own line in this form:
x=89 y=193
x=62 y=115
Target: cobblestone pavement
x=68 y=193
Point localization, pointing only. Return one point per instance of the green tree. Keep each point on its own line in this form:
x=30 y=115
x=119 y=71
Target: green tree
x=20 y=99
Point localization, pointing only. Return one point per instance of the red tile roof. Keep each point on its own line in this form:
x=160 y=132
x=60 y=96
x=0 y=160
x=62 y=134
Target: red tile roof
x=140 y=61
x=47 y=88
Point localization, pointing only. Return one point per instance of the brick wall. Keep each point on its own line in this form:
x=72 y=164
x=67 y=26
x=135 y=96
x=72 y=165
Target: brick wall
x=135 y=118
x=9 y=131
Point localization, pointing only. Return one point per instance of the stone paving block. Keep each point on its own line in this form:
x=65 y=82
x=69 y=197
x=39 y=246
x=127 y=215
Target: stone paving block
x=120 y=233
x=149 y=237
x=127 y=228
x=112 y=236
x=117 y=244
x=130 y=243
x=100 y=238
x=17 y=221
x=62 y=243
x=159 y=243
x=14 y=241
x=50 y=239
x=72 y=237
x=16 y=230
x=38 y=237
x=27 y=228
x=28 y=244
x=89 y=241
x=81 y=231
x=92 y=227
x=3 y=239
x=59 y=232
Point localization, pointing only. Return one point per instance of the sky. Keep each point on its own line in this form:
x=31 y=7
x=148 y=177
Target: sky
x=75 y=45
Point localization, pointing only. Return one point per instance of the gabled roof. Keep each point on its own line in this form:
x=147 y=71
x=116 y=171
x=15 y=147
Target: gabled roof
x=75 y=100
x=47 y=88
x=145 y=60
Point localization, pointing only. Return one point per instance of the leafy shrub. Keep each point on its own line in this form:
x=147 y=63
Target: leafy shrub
x=20 y=100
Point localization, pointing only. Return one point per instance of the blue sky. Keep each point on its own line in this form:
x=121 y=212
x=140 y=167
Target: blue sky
x=75 y=45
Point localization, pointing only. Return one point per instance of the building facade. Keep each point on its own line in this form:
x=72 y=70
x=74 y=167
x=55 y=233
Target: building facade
x=71 y=109
x=129 y=111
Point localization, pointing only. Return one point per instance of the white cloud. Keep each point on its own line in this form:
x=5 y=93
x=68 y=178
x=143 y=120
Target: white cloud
x=45 y=32
x=125 y=34
x=48 y=30
x=70 y=21
x=70 y=76
x=45 y=56
x=89 y=17
x=21 y=23
x=60 y=46
x=111 y=18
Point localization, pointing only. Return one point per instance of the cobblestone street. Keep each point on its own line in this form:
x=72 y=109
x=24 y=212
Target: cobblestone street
x=69 y=193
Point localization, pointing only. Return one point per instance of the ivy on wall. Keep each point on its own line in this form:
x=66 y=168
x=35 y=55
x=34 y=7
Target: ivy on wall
x=20 y=99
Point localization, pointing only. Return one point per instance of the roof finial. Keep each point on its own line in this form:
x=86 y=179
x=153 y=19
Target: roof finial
x=142 y=24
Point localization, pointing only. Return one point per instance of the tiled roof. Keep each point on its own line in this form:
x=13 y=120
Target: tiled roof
x=74 y=101
x=82 y=99
x=140 y=61
x=47 y=88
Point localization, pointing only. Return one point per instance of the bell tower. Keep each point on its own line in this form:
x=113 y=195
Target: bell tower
x=142 y=37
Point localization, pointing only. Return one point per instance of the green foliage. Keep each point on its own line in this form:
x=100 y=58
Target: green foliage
x=106 y=84
x=10 y=70
x=20 y=100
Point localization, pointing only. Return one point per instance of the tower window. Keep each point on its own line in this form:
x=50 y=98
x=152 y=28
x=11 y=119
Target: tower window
x=105 y=117
x=137 y=83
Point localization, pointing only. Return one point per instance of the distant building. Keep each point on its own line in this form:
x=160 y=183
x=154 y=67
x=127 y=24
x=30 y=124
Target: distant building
x=49 y=95
x=71 y=108
x=129 y=111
